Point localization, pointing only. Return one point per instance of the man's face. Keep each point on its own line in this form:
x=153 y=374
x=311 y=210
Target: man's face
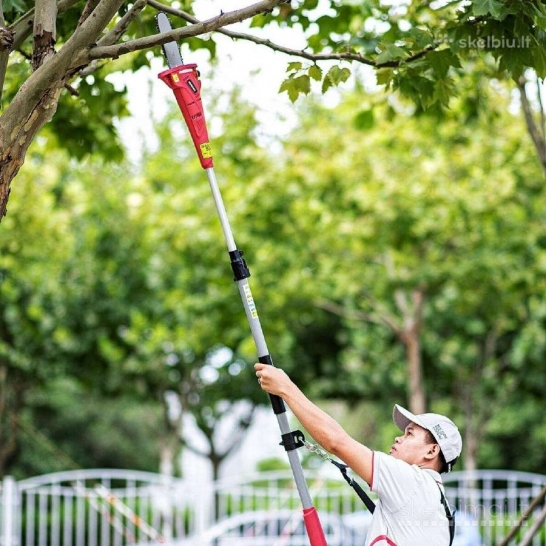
x=412 y=446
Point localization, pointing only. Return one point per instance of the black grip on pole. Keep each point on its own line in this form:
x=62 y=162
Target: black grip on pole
x=276 y=401
x=238 y=265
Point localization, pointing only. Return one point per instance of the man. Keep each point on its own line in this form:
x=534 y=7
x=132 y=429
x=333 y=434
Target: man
x=411 y=507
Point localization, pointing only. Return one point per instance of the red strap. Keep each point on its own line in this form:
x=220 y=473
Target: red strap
x=385 y=538
x=373 y=468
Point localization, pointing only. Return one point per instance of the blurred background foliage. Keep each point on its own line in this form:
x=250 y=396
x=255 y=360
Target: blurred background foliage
x=118 y=314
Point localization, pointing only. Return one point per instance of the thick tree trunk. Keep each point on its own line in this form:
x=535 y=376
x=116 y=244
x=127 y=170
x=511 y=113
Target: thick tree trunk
x=12 y=156
x=416 y=390
x=171 y=446
x=36 y=100
x=410 y=335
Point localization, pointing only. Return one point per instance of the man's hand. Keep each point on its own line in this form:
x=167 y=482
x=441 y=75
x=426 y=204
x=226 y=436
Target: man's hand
x=273 y=380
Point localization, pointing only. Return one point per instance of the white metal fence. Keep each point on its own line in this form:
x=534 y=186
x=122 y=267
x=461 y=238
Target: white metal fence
x=494 y=500
x=121 y=507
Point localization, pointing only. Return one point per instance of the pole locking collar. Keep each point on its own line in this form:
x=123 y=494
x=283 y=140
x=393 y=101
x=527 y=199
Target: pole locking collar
x=293 y=440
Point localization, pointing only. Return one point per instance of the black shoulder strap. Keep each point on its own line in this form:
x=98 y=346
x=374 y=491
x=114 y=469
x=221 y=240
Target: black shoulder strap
x=370 y=505
x=449 y=515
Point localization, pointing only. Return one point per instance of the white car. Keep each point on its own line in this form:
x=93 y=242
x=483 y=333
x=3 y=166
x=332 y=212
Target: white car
x=274 y=528
x=467 y=531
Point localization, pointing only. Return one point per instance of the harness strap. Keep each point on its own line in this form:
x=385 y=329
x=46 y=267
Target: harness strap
x=449 y=515
x=370 y=505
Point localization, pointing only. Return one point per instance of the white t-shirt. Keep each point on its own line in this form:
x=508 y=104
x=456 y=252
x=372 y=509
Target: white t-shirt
x=409 y=511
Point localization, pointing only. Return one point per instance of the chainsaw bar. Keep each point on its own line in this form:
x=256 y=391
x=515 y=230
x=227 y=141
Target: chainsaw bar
x=170 y=49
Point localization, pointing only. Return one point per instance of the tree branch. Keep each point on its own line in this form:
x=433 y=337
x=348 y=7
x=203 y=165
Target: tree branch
x=114 y=51
x=45 y=31
x=6 y=45
x=400 y=298
x=238 y=433
x=90 y=6
x=113 y=36
x=193 y=449
x=347 y=56
x=536 y=136
x=380 y=316
x=401 y=302
x=342 y=311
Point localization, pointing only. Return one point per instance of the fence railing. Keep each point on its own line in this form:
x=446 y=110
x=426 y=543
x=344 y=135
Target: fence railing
x=494 y=500
x=121 y=507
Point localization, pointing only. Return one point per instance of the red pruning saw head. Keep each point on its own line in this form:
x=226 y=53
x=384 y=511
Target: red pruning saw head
x=186 y=85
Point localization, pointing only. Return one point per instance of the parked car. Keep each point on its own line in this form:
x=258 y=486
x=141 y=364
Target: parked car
x=274 y=528
x=359 y=522
x=467 y=531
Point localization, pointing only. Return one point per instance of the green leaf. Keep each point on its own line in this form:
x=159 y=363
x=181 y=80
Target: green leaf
x=417 y=88
x=420 y=38
x=539 y=58
x=443 y=90
x=390 y=53
x=488 y=7
x=315 y=73
x=294 y=67
x=384 y=76
x=364 y=120
x=303 y=84
x=515 y=60
x=295 y=86
x=338 y=75
x=326 y=84
x=442 y=61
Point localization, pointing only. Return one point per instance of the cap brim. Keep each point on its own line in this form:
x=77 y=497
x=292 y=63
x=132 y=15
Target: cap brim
x=402 y=418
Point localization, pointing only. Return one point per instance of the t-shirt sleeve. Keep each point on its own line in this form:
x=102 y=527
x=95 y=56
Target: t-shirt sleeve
x=393 y=481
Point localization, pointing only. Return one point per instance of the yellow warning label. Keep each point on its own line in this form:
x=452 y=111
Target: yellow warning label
x=250 y=301
x=206 y=150
x=176 y=79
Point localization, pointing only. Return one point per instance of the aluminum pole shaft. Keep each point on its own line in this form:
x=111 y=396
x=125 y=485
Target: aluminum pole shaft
x=257 y=335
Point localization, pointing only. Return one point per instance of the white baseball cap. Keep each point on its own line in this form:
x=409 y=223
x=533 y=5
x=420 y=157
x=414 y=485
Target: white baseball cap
x=443 y=429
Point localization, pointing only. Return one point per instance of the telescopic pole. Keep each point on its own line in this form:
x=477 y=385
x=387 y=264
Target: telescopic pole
x=186 y=85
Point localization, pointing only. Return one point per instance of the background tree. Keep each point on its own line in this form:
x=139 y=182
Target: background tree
x=30 y=304
x=465 y=224
x=141 y=280
x=418 y=49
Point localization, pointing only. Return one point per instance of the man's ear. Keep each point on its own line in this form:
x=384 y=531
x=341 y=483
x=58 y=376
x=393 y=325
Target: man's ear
x=433 y=451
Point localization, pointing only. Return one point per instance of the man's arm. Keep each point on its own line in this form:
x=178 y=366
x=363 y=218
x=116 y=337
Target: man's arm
x=323 y=428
